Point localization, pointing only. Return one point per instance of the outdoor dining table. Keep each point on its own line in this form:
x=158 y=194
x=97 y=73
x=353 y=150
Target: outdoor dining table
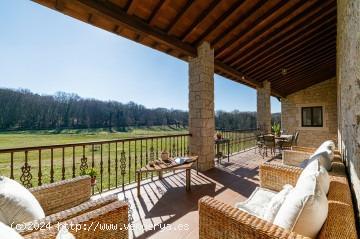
x=284 y=137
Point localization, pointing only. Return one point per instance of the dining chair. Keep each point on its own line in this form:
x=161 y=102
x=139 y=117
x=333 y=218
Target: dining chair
x=269 y=143
x=259 y=142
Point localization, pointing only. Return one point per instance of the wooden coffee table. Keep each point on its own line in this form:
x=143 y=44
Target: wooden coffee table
x=160 y=168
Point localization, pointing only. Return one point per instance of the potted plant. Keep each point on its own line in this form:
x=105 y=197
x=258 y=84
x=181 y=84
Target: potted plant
x=92 y=173
x=276 y=128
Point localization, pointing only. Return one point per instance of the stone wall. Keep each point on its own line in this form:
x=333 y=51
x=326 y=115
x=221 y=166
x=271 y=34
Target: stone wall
x=322 y=94
x=263 y=115
x=348 y=74
x=201 y=106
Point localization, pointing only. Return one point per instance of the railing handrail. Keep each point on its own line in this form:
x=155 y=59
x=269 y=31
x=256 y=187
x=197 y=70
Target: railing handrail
x=235 y=130
x=54 y=146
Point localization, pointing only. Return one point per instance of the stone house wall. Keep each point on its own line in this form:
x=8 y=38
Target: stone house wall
x=348 y=75
x=322 y=94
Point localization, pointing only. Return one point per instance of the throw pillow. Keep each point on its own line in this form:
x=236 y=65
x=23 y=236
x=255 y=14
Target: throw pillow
x=275 y=203
x=17 y=204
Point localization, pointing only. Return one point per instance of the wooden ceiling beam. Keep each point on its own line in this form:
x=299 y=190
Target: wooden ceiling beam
x=281 y=27
x=219 y=21
x=280 y=60
x=288 y=83
x=315 y=79
x=155 y=12
x=226 y=49
x=302 y=57
x=128 y=5
x=236 y=23
x=179 y=15
x=59 y=5
x=112 y=11
x=200 y=18
x=288 y=80
x=308 y=36
x=298 y=68
x=296 y=28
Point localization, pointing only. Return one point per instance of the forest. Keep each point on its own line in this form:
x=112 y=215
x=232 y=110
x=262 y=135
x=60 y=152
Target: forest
x=23 y=110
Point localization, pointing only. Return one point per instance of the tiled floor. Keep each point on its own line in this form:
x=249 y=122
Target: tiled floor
x=166 y=210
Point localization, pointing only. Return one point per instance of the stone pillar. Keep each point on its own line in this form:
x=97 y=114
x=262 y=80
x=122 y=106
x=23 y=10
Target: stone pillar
x=201 y=106
x=348 y=77
x=263 y=115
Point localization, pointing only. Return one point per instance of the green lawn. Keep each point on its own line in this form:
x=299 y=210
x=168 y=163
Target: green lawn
x=108 y=159
x=46 y=137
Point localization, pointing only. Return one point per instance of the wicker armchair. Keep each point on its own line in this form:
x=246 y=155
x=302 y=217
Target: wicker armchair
x=68 y=202
x=218 y=220
x=297 y=155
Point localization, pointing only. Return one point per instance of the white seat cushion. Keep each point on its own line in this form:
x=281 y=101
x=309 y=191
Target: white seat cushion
x=8 y=232
x=305 y=209
x=325 y=154
x=17 y=204
x=314 y=168
x=275 y=203
x=257 y=202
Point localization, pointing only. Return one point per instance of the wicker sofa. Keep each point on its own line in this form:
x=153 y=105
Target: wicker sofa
x=218 y=220
x=68 y=202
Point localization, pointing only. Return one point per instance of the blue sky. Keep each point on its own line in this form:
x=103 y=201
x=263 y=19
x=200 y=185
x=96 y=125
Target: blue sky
x=46 y=52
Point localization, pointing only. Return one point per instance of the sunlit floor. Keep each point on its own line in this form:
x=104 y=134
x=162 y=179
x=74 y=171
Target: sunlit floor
x=166 y=210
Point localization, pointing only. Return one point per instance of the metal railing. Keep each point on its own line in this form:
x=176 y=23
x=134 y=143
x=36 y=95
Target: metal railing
x=115 y=161
x=240 y=140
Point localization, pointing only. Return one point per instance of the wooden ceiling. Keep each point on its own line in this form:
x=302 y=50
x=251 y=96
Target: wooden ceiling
x=254 y=40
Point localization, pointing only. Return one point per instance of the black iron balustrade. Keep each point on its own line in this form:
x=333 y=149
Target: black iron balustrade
x=115 y=161
x=240 y=140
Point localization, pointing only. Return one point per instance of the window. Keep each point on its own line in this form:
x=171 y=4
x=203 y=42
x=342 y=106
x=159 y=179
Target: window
x=312 y=116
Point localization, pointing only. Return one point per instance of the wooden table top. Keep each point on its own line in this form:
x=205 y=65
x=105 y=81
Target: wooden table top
x=168 y=166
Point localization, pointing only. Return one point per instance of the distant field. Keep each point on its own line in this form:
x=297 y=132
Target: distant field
x=46 y=137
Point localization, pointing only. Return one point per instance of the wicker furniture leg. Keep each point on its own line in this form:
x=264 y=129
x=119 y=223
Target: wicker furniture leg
x=138 y=183
x=188 y=179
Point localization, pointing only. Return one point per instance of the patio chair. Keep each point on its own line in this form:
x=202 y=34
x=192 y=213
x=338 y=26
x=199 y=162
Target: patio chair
x=219 y=220
x=296 y=137
x=286 y=143
x=269 y=143
x=69 y=202
x=259 y=143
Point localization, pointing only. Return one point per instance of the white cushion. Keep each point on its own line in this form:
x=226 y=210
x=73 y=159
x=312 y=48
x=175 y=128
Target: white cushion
x=257 y=202
x=275 y=203
x=324 y=154
x=315 y=168
x=8 y=232
x=329 y=144
x=305 y=208
x=17 y=204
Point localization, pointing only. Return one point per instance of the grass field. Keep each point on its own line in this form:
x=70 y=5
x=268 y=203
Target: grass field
x=106 y=158
x=46 y=137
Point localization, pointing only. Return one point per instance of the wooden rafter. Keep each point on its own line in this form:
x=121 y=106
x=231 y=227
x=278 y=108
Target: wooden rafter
x=178 y=16
x=232 y=9
x=262 y=19
x=155 y=12
x=200 y=18
x=312 y=19
x=278 y=23
x=253 y=39
x=236 y=23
